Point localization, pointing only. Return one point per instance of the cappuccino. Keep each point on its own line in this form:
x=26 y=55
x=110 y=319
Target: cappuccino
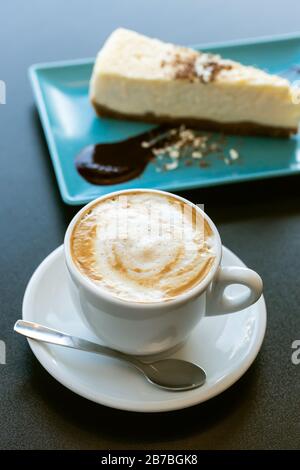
x=143 y=246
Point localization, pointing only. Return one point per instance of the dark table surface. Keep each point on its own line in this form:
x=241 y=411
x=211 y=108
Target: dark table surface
x=260 y=221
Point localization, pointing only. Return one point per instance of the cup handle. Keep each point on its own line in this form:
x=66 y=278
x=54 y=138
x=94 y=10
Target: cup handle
x=218 y=302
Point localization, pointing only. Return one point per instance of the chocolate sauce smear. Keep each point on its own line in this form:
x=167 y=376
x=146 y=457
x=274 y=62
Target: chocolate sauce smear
x=116 y=162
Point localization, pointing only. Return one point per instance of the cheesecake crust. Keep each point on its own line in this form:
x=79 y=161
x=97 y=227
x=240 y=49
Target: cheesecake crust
x=239 y=128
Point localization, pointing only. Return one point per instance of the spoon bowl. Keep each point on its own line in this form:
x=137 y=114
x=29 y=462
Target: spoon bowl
x=175 y=374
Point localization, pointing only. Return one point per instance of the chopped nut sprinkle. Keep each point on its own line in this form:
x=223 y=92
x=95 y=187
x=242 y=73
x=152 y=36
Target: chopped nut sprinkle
x=188 y=145
x=171 y=166
x=197 y=155
x=233 y=153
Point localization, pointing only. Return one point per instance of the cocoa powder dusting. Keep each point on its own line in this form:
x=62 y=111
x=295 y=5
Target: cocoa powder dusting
x=193 y=66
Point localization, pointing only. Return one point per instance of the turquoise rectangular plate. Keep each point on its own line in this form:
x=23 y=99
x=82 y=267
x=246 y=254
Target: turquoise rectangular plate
x=69 y=122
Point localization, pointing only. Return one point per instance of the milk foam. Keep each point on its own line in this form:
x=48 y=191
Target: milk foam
x=143 y=246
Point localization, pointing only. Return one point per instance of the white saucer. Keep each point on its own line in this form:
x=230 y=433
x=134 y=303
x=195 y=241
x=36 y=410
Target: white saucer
x=224 y=346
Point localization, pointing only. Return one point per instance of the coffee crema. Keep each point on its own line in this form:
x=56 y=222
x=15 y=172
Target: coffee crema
x=143 y=246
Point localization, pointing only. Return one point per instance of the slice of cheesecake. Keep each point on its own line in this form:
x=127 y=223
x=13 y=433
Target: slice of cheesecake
x=136 y=77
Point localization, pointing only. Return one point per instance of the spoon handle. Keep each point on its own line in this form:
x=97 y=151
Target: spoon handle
x=49 y=335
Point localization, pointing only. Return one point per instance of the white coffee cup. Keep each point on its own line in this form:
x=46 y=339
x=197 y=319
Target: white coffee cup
x=153 y=328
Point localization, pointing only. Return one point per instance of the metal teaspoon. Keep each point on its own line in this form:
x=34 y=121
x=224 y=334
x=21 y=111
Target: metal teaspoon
x=169 y=374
